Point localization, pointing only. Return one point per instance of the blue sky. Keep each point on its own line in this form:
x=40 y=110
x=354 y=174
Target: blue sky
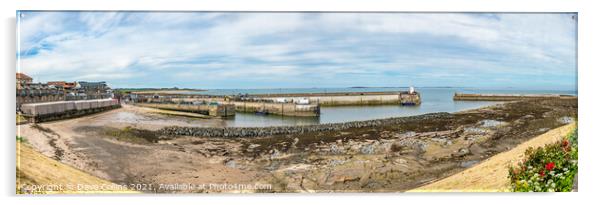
x=300 y=50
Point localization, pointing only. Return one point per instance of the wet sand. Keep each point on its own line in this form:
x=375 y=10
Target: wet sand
x=121 y=146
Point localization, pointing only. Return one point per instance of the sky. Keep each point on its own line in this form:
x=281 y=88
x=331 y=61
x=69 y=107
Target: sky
x=300 y=50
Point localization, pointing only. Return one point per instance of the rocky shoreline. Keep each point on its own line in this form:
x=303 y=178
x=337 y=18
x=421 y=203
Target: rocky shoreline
x=236 y=132
x=385 y=155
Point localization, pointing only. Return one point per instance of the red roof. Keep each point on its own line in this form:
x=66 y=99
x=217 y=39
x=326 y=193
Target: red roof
x=23 y=76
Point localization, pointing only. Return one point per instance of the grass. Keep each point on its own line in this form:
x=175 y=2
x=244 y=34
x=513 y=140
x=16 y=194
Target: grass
x=21 y=139
x=133 y=135
x=21 y=119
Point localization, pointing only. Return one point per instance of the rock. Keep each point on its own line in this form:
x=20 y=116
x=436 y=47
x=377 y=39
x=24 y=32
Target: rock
x=343 y=179
x=421 y=147
x=400 y=161
x=233 y=132
x=565 y=120
x=275 y=154
x=406 y=134
x=230 y=163
x=528 y=116
x=367 y=149
x=336 y=162
x=441 y=141
x=448 y=142
x=365 y=179
x=335 y=149
x=355 y=148
x=462 y=152
x=543 y=129
x=491 y=123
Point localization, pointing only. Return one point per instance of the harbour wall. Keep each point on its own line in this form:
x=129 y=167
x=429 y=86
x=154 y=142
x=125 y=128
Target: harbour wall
x=284 y=109
x=507 y=97
x=273 y=108
x=220 y=110
x=348 y=98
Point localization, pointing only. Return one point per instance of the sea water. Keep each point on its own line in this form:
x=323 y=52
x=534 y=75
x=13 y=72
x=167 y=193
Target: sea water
x=433 y=100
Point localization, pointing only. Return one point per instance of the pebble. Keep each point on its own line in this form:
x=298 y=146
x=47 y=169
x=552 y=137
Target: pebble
x=565 y=120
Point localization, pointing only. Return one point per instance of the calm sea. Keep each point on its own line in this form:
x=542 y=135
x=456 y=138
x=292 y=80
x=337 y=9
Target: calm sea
x=433 y=100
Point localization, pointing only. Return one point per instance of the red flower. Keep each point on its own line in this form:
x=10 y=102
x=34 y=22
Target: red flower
x=550 y=166
x=542 y=173
x=565 y=143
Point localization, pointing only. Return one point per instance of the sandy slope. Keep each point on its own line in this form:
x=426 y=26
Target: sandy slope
x=492 y=174
x=54 y=177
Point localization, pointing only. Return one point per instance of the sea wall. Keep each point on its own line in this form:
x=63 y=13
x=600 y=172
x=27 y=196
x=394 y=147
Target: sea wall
x=221 y=110
x=349 y=98
x=272 y=108
x=341 y=100
x=507 y=97
x=285 y=109
x=68 y=114
x=235 y=132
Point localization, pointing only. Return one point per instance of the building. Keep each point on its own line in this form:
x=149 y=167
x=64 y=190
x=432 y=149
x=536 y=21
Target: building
x=63 y=84
x=38 y=92
x=94 y=90
x=23 y=79
x=28 y=92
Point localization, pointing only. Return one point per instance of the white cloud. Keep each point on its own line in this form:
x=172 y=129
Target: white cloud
x=117 y=45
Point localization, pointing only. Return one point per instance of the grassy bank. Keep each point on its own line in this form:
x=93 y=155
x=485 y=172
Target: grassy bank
x=551 y=168
x=491 y=175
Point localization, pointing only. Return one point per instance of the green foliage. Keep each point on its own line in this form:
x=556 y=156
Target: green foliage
x=134 y=135
x=21 y=139
x=549 y=168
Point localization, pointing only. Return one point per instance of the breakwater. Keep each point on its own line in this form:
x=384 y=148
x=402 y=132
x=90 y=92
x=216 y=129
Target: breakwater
x=266 y=107
x=219 y=110
x=507 y=97
x=347 y=98
x=237 y=132
x=284 y=109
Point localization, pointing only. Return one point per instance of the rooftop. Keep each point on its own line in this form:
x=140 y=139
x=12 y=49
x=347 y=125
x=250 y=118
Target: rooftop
x=23 y=76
